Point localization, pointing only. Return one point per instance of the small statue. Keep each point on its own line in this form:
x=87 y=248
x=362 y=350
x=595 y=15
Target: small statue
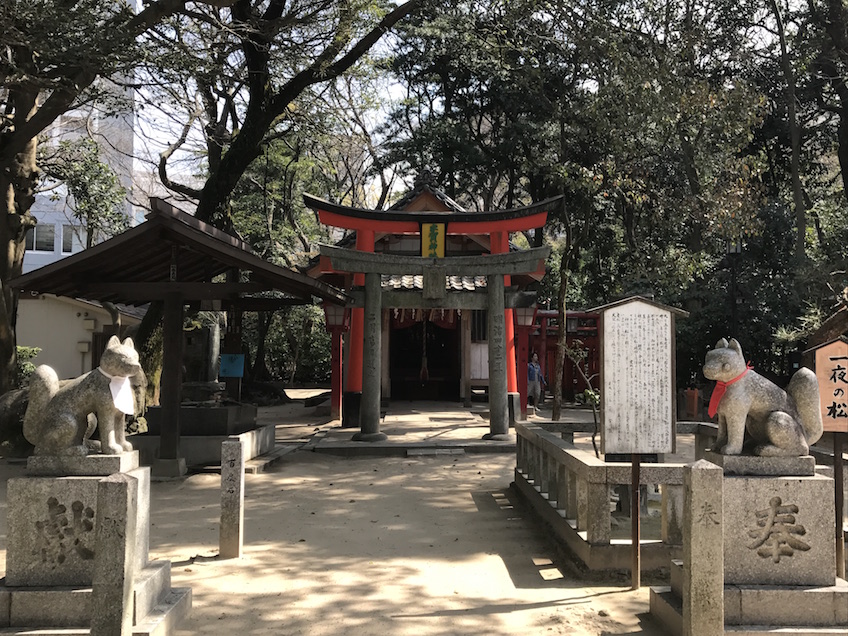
x=779 y=423
x=56 y=420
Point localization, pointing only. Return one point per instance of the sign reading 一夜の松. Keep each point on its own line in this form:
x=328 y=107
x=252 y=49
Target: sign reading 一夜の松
x=832 y=374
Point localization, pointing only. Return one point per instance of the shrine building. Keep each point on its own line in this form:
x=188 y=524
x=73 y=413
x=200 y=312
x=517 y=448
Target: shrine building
x=437 y=291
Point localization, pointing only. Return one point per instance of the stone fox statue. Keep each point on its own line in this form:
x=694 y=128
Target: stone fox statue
x=779 y=423
x=56 y=420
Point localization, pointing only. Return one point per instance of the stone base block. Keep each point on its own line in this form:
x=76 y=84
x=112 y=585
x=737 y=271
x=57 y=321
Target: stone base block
x=787 y=605
x=779 y=531
x=90 y=465
x=52 y=528
x=50 y=607
x=158 y=608
x=763 y=466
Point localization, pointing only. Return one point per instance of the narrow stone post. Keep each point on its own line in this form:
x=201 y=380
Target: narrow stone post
x=673 y=499
x=369 y=409
x=703 y=550
x=498 y=405
x=114 y=556
x=598 y=527
x=230 y=539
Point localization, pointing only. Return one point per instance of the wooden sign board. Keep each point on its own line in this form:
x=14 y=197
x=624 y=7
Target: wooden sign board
x=832 y=374
x=433 y=240
x=637 y=378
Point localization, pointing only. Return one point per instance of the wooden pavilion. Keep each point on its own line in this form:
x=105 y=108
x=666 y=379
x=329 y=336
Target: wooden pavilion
x=176 y=259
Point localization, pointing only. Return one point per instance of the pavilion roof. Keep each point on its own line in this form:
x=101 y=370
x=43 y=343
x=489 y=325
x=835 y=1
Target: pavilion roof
x=171 y=252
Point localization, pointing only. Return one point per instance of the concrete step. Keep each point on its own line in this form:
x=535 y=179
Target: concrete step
x=666 y=608
x=676 y=572
x=760 y=630
x=787 y=605
x=168 y=613
x=264 y=462
x=162 y=621
x=151 y=585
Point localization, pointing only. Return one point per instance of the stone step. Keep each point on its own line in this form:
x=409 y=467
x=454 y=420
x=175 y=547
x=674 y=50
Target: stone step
x=167 y=614
x=760 y=630
x=667 y=609
x=676 y=572
x=163 y=620
x=70 y=607
x=786 y=605
x=150 y=586
x=757 y=609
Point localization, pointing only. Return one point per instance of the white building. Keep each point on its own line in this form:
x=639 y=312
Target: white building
x=57 y=233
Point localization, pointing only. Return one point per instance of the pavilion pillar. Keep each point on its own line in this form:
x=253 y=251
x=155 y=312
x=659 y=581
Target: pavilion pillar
x=498 y=405
x=369 y=410
x=353 y=387
x=170 y=462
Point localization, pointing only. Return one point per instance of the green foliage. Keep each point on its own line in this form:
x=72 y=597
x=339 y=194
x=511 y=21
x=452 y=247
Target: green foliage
x=297 y=345
x=663 y=125
x=25 y=365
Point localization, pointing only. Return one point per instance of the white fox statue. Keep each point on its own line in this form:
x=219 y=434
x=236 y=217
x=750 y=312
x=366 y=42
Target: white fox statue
x=56 y=421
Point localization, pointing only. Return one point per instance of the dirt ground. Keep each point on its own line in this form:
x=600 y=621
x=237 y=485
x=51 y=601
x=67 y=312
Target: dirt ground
x=423 y=546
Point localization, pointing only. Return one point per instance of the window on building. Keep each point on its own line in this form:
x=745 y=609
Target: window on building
x=71 y=242
x=41 y=238
x=479 y=325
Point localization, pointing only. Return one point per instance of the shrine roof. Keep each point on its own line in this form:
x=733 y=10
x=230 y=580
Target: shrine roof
x=421 y=188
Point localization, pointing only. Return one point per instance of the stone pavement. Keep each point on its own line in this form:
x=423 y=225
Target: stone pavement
x=412 y=427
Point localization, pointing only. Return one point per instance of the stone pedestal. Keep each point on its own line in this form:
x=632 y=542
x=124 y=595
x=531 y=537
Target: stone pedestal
x=79 y=528
x=776 y=542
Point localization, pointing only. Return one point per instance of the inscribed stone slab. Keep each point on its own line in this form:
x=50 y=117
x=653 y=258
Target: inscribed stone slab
x=779 y=531
x=703 y=566
x=51 y=530
x=232 y=500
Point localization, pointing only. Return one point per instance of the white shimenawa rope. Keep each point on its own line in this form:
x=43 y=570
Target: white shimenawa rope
x=121 y=392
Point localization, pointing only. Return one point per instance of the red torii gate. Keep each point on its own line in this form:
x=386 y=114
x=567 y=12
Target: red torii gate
x=497 y=225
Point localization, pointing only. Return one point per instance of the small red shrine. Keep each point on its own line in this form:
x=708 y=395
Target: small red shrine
x=433 y=266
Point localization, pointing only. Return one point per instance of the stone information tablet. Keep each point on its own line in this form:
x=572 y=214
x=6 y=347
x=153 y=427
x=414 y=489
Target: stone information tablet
x=637 y=379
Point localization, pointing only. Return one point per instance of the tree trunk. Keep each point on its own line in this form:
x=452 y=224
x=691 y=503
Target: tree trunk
x=562 y=334
x=795 y=139
x=17 y=182
x=263 y=324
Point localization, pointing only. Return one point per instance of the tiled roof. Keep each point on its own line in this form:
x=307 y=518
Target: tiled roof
x=452 y=283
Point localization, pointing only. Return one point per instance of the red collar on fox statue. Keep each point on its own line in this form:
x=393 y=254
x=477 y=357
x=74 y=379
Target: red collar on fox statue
x=721 y=387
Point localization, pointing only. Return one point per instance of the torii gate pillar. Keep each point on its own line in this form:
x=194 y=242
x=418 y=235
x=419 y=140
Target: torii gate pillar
x=369 y=408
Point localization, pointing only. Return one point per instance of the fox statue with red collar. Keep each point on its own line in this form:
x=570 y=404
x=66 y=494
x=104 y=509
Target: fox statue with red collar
x=778 y=423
